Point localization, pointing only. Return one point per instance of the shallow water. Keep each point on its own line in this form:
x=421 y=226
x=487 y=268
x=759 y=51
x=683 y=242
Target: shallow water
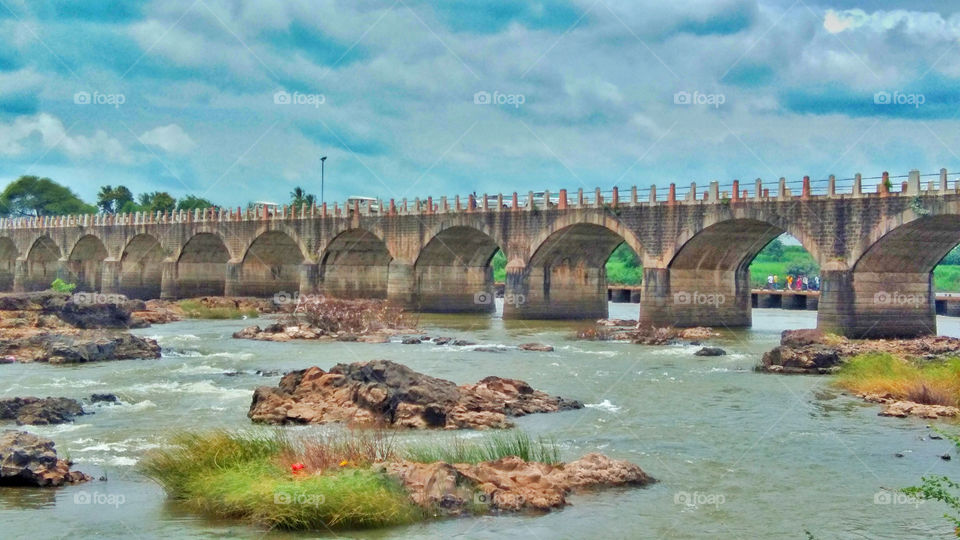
x=737 y=453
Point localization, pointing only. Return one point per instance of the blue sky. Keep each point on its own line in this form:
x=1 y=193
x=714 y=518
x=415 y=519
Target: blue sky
x=190 y=96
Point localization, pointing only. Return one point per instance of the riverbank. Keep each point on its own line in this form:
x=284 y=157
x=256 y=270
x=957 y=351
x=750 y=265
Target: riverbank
x=362 y=479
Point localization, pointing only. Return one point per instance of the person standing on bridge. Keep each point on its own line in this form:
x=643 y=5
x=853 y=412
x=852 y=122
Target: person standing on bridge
x=776 y=284
x=769 y=281
x=789 y=282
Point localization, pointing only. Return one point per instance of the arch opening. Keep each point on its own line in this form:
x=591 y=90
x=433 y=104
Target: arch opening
x=85 y=263
x=355 y=264
x=567 y=274
x=43 y=264
x=272 y=264
x=141 y=267
x=202 y=267
x=454 y=273
x=8 y=263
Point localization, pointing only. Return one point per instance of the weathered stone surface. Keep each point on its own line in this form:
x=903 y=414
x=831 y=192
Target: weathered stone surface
x=381 y=392
x=710 y=351
x=510 y=483
x=29 y=460
x=37 y=411
x=538 y=347
x=816 y=359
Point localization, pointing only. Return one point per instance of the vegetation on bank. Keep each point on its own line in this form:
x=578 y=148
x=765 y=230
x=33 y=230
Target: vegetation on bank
x=194 y=309
x=921 y=381
x=311 y=482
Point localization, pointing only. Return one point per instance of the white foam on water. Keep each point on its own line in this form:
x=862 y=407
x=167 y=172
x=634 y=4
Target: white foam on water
x=200 y=369
x=198 y=387
x=63 y=382
x=59 y=428
x=604 y=405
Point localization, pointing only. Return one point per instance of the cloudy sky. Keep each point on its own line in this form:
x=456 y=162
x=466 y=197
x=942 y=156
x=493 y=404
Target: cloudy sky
x=237 y=101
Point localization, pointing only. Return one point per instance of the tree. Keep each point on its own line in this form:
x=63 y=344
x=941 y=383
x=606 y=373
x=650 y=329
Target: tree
x=112 y=200
x=300 y=197
x=34 y=196
x=158 y=201
x=774 y=250
x=192 y=202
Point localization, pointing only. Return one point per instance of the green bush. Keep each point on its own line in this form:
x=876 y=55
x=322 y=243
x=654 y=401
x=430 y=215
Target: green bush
x=60 y=285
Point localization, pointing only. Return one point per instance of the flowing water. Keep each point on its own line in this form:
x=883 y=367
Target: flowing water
x=738 y=454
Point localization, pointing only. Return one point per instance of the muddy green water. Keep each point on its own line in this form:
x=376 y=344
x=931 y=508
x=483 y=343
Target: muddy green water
x=738 y=454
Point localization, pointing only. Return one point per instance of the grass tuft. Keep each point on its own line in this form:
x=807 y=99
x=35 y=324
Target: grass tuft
x=491 y=448
x=930 y=383
x=194 y=309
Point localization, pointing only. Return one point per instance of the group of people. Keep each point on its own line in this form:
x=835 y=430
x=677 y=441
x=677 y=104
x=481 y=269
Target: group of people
x=794 y=283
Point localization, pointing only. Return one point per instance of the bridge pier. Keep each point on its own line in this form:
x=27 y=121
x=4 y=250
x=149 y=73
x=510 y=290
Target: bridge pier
x=686 y=298
x=863 y=305
x=557 y=292
x=110 y=277
x=233 y=286
x=168 y=280
x=401 y=284
x=309 y=278
x=454 y=289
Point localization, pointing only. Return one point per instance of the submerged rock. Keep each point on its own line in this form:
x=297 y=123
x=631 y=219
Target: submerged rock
x=903 y=408
x=710 y=351
x=37 y=411
x=29 y=460
x=539 y=347
x=381 y=392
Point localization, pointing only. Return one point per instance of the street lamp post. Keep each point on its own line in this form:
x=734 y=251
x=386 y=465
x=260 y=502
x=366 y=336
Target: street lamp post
x=322 y=160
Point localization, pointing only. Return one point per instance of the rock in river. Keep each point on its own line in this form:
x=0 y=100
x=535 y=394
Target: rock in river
x=710 y=351
x=29 y=460
x=381 y=392
x=36 y=411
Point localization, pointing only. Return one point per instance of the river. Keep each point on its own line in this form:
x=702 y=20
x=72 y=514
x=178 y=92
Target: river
x=738 y=454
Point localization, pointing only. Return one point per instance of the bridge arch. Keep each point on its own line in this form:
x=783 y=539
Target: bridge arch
x=8 y=263
x=565 y=276
x=85 y=262
x=355 y=264
x=271 y=264
x=141 y=267
x=202 y=266
x=453 y=272
x=43 y=264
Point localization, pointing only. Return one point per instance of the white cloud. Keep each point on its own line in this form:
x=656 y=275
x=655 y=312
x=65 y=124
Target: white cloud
x=170 y=138
x=20 y=137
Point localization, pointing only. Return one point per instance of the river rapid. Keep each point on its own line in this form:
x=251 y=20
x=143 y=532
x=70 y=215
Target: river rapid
x=738 y=454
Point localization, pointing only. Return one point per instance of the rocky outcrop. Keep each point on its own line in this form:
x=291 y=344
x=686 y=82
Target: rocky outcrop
x=710 y=351
x=814 y=358
x=629 y=330
x=29 y=460
x=903 y=408
x=69 y=346
x=384 y=393
x=510 y=483
x=37 y=411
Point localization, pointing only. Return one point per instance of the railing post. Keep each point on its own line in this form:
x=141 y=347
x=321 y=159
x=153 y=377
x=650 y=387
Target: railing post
x=633 y=195
x=616 y=197
x=884 y=184
x=499 y=202
x=736 y=190
x=530 y=203
x=913 y=182
x=692 y=195
x=714 y=191
x=672 y=194
x=429 y=205
x=486 y=203
x=805 y=193
x=782 y=193
x=597 y=198
x=758 y=190
x=514 y=205
x=832 y=186
x=580 y=197
x=653 y=194
x=943 y=180
x=393 y=208
x=456 y=200
x=562 y=200
x=858 y=184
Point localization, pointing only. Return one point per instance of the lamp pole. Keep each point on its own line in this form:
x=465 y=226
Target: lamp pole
x=322 y=160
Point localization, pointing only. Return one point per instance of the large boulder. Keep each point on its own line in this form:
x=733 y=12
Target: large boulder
x=83 y=310
x=813 y=359
x=29 y=460
x=68 y=349
x=381 y=392
x=37 y=411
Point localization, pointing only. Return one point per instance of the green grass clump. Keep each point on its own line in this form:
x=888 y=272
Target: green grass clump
x=194 y=309
x=491 y=448
x=927 y=382
x=60 y=285
x=248 y=476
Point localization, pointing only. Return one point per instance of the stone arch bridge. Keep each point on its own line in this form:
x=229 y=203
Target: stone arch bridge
x=877 y=247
